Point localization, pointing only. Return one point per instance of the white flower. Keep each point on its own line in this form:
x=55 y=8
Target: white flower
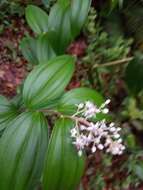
x=80 y=152
x=118 y=129
x=86 y=140
x=82 y=127
x=73 y=132
x=100 y=147
x=90 y=138
x=97 y=140
x=93 y=127
x=107 y=101
x=90 y=109
x=89 y=105
x=116 y=148
x=119 y=140
x=96 y=135
x=103 y=125
x=116 y=136
x=79 y=142
x=112 y=124
x=105 y=110
x=108 y=142
x=80 y=106
x=93 y=149
x=112 y=129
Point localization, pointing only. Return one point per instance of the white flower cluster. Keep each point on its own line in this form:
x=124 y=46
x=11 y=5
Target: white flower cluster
x=97 y=135
x=88 y=109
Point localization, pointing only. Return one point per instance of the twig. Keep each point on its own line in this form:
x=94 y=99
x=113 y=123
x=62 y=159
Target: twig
x=113 y=63
x=74 y=118
x=79 y=119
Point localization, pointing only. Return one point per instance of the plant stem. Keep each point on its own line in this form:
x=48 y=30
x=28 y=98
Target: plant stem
x=113 y=63
x=80 y=120
x=74 y=118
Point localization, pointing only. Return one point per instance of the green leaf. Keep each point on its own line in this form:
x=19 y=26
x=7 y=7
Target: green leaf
x=134 y=74
x=44 y=50
x=63 y=167
x=28 y=47
x=37 y=50
x=37 y=19
x=64 y=3
x=45 y=2
x=59 y=28
x=138 y=169
x=7 y=112
x=79 y=12
x=116 y=3
x=22 y=151
x=47 y=82
x=131 y=141
x=67 y=104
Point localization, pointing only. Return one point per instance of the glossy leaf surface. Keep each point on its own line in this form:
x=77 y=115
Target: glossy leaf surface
x=7 y=112
x=28 y=47
x=64 y=3
x=22 y=150
x=79 y=12
x=69 y=100
x=44 y=51
x=47 y=82
x=38 y=50
x=59 y=28
x=37 y=19
x=63 y=167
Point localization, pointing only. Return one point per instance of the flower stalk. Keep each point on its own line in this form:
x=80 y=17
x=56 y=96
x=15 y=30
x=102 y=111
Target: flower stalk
x=99 y=135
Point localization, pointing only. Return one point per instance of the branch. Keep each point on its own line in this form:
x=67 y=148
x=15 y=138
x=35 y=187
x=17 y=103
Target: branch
x=74 y=118
x=113 y=63
x=80 y=120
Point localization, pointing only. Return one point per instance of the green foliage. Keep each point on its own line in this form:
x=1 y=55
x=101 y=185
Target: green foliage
x=28 y=48
x=98 y=182
x=63 y=167
x=63 y=25
x=37 y=50
x=64 y=3
x=22 y=148
x=133 y=15
x=46 y=2
x=10 y=8
x=134 y=74
x=7 y=112
x=79 y=13
x=67 y=103
x=47 y=82
x=70 y=99
x=132 y=109
x=115 y=3
x=33 y=17
x=103 y=46
x=59 y=28
x=135 y=170
x=44 y=51
x=24 y=141
x=106 y=44
x=66 y=23
x=138 y=169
